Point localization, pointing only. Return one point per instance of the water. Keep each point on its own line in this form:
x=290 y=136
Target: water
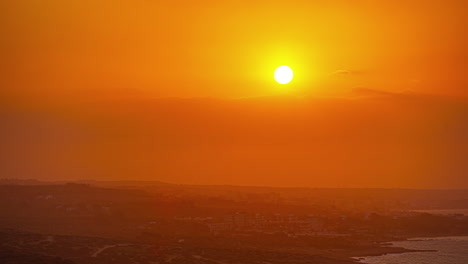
x=450 y=250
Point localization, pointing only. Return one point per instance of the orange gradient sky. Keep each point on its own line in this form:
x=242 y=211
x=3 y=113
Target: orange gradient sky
x=183 y=91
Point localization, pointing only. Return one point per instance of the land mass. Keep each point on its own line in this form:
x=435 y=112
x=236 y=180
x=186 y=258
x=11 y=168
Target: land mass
x=133 y=222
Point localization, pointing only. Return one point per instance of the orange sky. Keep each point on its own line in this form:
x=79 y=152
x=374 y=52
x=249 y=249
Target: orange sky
x=183 y=91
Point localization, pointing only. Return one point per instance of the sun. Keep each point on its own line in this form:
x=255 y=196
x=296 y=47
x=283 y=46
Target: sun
x=283 y=74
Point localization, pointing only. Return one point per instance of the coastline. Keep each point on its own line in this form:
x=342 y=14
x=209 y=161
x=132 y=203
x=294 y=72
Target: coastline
x=387 y=247
x=384 y=251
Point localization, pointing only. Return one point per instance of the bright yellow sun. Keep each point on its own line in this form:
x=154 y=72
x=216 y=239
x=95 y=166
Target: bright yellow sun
x=283 y=74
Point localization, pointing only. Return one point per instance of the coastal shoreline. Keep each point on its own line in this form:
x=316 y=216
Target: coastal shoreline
x=385 y=251
x=389 y=248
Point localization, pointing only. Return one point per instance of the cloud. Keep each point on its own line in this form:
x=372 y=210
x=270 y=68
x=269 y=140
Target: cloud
x=368 y=92
x=342 y=72
x=348 y=72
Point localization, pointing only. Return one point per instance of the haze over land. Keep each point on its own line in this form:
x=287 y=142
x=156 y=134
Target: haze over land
x=389 y=140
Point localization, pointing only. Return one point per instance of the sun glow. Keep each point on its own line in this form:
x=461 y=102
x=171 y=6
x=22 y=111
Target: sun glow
x=283 y=74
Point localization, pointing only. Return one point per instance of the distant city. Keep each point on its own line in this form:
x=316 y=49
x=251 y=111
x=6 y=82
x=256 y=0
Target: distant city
x=115 y=222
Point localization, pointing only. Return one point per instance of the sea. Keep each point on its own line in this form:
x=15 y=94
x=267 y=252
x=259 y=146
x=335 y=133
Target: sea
x=450 y=250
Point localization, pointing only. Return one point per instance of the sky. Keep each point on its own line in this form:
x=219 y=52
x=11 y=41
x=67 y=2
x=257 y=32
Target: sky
x=183 y=92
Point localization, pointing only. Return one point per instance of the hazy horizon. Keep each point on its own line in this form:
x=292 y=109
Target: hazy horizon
x=412 y=141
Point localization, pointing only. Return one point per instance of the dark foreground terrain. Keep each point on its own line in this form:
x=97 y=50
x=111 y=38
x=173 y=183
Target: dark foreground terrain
x=23 y=247
x=152 y=223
